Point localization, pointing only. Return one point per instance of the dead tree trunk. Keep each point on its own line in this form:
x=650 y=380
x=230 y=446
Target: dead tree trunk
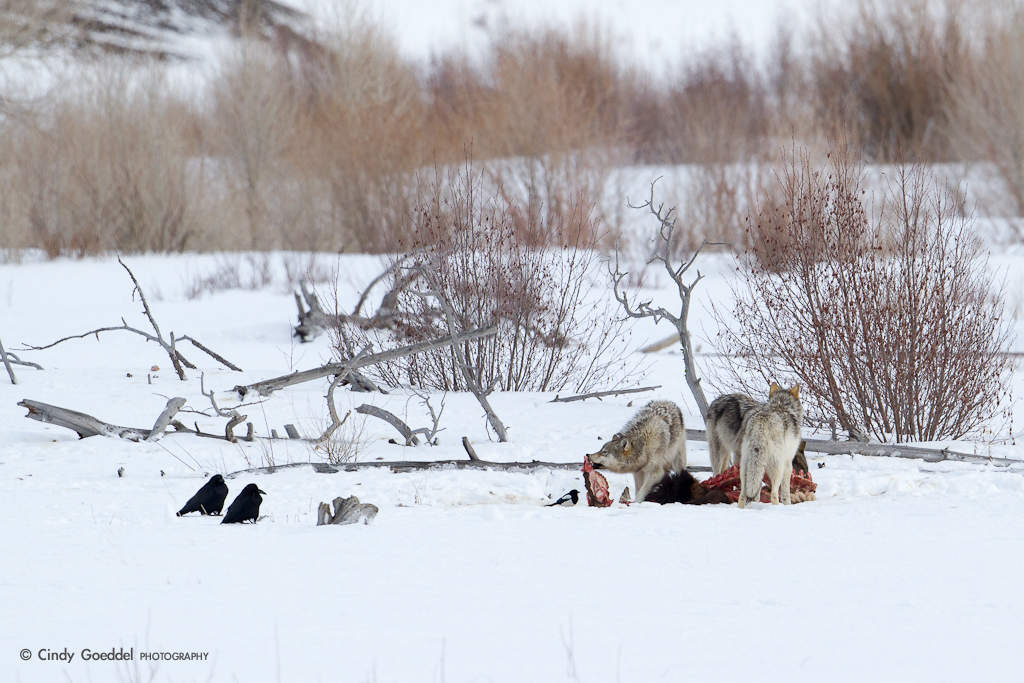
x=676 y=269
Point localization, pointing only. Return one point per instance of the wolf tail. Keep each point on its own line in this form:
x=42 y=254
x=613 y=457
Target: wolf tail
x=753 y=474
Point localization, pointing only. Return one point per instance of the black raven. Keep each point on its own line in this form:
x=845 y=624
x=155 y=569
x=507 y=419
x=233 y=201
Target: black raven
x=245 y=507
x=209 y=500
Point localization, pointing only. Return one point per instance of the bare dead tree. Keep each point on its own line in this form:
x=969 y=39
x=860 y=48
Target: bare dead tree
x=169 y=345
x=677 y=270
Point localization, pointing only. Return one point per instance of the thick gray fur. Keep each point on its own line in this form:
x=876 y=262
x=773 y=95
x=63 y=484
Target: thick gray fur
x=725 y=423
x=650 y=445
x=770 y=437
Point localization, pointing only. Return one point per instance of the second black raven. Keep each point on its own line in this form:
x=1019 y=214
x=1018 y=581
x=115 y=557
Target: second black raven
x=245 y=507
x=208 y=500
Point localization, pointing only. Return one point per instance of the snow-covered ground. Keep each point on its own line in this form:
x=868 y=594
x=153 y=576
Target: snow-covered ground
x=901 y=570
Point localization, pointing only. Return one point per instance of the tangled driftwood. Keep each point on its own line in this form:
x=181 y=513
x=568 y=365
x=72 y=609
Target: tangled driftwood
x=346 y=511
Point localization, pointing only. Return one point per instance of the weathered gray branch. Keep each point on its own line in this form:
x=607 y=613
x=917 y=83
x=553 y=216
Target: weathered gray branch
x=470 y=451
x=169 y=346
x=888 y=450
x=676 y=269
x=346 y=511
x=165 y=417
x=601 y=394
x=401 y=466
x=269 y=386
x=7 y=364
x=391 y=419
x=86 y=425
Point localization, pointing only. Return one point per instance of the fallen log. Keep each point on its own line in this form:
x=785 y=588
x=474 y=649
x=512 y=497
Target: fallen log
x=403 y=466
x=886 y=450
x=602 y=394
x=86 y=425
x=269 y=386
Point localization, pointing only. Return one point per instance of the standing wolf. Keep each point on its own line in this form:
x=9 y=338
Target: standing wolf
x=725 y=423
x=651 y=445
x=770 y=437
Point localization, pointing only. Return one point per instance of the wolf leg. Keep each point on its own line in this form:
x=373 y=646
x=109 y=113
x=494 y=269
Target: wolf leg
x=787 y=478
x=775 y=474
x=719 y=454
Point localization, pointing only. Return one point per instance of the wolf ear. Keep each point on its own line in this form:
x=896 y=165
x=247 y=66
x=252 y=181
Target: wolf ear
x=626 y=448
x=795 y=390
x=775 y=388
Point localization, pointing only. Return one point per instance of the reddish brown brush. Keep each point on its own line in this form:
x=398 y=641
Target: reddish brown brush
x=888 y=317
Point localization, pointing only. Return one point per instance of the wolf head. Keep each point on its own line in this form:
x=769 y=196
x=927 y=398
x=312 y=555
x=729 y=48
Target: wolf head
x=794 y=390
x=787 y=400
x=617 y=455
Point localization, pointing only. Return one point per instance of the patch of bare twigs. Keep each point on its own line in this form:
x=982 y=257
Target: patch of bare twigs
x=168 y=344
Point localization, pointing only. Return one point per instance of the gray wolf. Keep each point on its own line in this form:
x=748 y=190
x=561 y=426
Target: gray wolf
x=769 y=440
x=245 y=507
x=725 y=423
x=650 y=445
x=208 y=500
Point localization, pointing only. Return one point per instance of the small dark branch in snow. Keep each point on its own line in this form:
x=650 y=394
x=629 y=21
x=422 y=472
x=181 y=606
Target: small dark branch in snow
x=178 y=360
x=601 y=394
x=469 y=449
x=212 y=354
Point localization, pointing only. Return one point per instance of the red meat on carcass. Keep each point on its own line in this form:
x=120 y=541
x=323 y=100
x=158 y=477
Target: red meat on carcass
x=597 y=486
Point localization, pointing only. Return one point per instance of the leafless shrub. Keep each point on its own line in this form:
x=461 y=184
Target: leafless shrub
x=548 y=109
x=717 y=111
x=553 y=333
x=987 y=102
x=253 y=272
x=881 y=76
x=890 y=321
x=105 y=166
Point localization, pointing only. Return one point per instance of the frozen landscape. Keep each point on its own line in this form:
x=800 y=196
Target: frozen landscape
x=902 y=569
